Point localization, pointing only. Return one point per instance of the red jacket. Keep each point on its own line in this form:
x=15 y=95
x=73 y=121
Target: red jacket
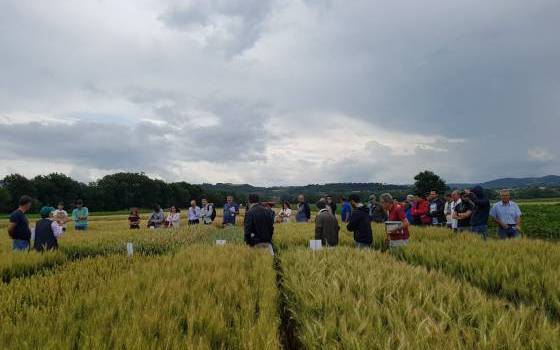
x=420 y=212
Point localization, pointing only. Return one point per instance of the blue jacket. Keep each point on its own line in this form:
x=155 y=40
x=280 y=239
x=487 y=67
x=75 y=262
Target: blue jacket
x=346 y=211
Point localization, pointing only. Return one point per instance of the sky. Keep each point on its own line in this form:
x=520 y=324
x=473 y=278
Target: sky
x=280 y=92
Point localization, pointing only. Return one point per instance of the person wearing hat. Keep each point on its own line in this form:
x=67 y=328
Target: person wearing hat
x=47 y=231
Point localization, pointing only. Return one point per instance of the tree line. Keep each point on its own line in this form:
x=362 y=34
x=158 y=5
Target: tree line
x=112 y=192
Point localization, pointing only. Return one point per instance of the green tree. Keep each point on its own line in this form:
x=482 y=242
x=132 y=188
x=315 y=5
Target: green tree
x=427 y=181
x=17 y=186
x=5 y=201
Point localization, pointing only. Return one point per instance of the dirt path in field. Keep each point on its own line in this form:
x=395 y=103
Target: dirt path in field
x=287 y=331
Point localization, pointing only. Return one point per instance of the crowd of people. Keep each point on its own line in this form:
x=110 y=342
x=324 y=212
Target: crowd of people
x=461 y=211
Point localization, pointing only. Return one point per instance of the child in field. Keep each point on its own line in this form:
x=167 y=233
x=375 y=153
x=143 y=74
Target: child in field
x=61 y=216
x=134 y=219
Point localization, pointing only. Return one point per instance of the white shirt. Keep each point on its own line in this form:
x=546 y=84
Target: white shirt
x=174 y=220
x=454 y=222
x=61 y=215
x=286 y=215
x=194 y=213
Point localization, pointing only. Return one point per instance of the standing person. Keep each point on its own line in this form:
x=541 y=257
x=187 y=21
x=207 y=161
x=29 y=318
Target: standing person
x=463 y=212
x=156 y=218
x=18 y=229
x=397 y=237
x=376 y=212
x=359 y=223
x=286 y=213
x=134 y=219
x=481 y=211
x=207 y=212
x=420 y=211
x=173 y=219
x=259 y=225
x=80 y=216
x=436 y=208
x=304 y=210
x=231 y=210
x=47 y=231
x=455 y=201
x=331 y=204
x=346 y=210
x=507 y=215
x=326 y=225
x=194 y=213
x=408 y=205
x=448 y=210
x=61 y=216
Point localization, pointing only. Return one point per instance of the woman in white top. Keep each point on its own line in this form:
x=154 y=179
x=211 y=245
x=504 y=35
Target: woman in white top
x=194 y=214
x=173 y=219
x=286 y=213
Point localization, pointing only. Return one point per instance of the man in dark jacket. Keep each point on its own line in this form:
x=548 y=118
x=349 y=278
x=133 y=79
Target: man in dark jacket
x=326 y=225
x=376 y=212
x=481 y=211
x=436 y=208
x=259 y=224
x=359 y=223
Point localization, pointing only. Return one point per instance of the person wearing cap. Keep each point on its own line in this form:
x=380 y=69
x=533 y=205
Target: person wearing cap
x=80 y=216
x=47 y=231
x=326 y=225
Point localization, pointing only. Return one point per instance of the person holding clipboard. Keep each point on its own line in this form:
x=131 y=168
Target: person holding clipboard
x=397 y=224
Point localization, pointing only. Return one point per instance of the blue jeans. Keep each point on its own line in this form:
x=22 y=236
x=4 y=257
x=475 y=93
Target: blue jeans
x=20 y=244
x=508 y=233
x=481 y=230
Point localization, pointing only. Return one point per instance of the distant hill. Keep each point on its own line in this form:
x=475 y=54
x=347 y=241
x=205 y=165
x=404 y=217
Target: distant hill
x=545 y=181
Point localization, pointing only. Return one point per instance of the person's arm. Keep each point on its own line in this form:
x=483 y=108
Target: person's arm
x=57 y=229
x=308 y=211
x=518 y=219
x=86 y=216
x=75 y=215
x=352 y=224
x=248 y=225
x=319 y=228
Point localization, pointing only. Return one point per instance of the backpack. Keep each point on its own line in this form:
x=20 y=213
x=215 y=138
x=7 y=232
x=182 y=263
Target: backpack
x=213 y=215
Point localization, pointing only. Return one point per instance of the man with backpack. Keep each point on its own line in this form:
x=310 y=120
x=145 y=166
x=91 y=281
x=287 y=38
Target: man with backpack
x=18 y=229
x=208 y=212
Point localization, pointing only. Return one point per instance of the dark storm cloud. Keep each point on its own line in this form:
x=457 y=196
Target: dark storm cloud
x=115 y=85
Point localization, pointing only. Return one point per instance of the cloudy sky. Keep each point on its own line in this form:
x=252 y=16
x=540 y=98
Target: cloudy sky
x=280 y=91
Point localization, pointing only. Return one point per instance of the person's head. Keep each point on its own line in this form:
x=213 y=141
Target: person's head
x=505 y=195
x=25 y=203
x=287 y=205
x=432 y=195
x=301 y=198
x=253 y=199
x=134 y=211
x=46 y=212
x=354 y=200
x=157 y=208
x=448 y=197
x=60 y=206
x=204 y=201
x=456 y=195
x=342 y=199
x=372 y=198
x=79 y=203
x=328 y=198
x=386 y=201
x=193 y=203
x=229 y=199
x=410 y=198
x=321 y=204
